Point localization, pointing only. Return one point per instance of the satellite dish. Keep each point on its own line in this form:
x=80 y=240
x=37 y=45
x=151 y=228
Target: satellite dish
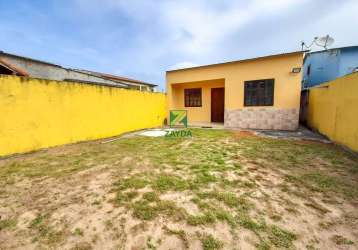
x=324 y=41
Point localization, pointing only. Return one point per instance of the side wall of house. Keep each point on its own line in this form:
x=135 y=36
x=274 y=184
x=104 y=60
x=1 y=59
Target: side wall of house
x=41 y=113
x=333 y=110
x=324 y=66
x=349 y=60
x=282 y=115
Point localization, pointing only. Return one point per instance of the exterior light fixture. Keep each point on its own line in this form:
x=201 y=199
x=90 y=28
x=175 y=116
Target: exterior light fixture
x=296 y=70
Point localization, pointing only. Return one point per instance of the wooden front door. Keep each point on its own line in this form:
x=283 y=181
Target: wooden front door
x=217 y=104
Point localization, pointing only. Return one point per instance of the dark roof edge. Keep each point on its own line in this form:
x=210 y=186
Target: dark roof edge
x=319 y=51
x=243 y=60
x=125 y=79
x=89 y=74
x=96 y=83
x=115 y=78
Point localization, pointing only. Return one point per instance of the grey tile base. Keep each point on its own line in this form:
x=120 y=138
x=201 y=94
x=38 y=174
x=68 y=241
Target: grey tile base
x=262 y=118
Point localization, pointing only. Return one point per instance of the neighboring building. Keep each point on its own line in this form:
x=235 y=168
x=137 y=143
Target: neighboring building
x=257 y=93
x=11 y=64
x=132 y=83
x=327 y=65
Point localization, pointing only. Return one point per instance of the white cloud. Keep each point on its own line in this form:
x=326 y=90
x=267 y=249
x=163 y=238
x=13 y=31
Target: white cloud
x=143 y=38
x=182 y=65
x=193 y=28
x=159 y=33
x=210 y=26
x=340 y=24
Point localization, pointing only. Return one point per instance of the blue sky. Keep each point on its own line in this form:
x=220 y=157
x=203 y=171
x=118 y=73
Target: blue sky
x=144 y=38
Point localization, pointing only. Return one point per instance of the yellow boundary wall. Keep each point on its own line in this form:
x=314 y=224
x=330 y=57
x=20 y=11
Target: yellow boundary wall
x=333 y=110
x=38 y=113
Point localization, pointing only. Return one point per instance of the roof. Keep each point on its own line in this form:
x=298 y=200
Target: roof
x=320 y=51
x=96 y=83
x=243 y=60
x=29 y=59
x=325 y=50
x=117 y=78
x=86 y=72
x=13 y=68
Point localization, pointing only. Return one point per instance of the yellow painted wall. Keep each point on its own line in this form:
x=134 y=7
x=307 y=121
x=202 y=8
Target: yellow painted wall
x=279 y=67
x=333 y=110
x=40 y=113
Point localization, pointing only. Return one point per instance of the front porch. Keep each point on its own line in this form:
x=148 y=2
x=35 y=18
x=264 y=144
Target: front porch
x=203 y=100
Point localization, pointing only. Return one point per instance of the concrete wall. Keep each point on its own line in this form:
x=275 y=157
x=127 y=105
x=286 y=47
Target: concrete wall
x=333 y=110
x=41 y=113
x=286 y=93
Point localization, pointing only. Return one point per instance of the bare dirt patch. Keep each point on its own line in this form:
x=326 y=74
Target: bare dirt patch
x=244 y=134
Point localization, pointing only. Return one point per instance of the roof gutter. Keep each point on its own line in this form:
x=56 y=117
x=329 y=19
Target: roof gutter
x=239 y=61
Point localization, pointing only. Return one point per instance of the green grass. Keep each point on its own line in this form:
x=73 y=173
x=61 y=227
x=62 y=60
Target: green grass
x=147 y=211
x=203 y=205
x=44 y=232
x=225 y=216
x=50 y=166
x=204 y=162
x=321 y=181
x=340 y=240
x=180 y=234
x=325 y=182
x=290 y=154
x=280 y=237
x=210 y=217
x=123 y=197
x=268 y=234
x=210 y=243
x=150 y=244
x=248 y=223
x=204 y=219
x=7 y=224
x=143 y=210
x=204 y=178
x=229 y=199
x=136 y=182
x=197 y=167
x=165 y=182
x=38 y=220
x=151 y=197
x=78 y=232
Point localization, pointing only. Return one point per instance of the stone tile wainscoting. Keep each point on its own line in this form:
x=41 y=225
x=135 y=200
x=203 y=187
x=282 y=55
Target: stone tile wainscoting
x=262 y=118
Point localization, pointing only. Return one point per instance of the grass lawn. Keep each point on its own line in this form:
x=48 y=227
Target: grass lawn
x=217 y=190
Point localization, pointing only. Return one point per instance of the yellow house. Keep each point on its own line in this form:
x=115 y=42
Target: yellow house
x=257 y=93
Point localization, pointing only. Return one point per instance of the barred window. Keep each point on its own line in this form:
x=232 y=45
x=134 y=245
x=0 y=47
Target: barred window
x=259 y=92
x=192 y=97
